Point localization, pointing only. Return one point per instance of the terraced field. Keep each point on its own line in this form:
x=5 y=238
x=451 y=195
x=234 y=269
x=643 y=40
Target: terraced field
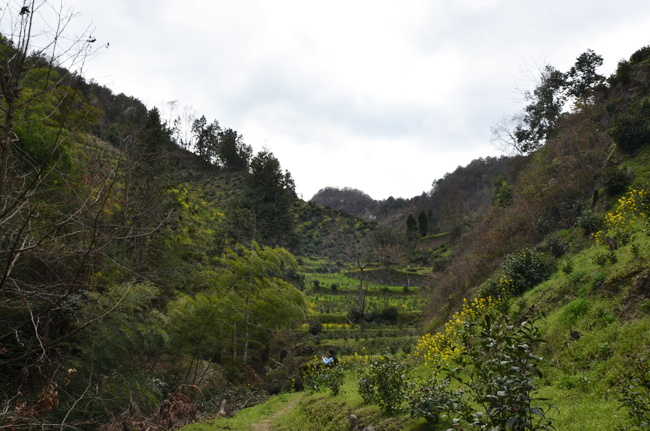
x=393 y=309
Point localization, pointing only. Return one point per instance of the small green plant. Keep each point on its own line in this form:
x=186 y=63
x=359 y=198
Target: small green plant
x=496 y=367
x=634 y=395
x=385 y=381
x=598 y=280
x=577 y=276
x=436 y=400
x=315 y=327
x=556 y=246
x=567 y=266
x=603 y=257
x=589 y=221
x=575 y=309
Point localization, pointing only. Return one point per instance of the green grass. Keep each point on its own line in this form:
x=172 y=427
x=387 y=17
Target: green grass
x=438 y=235
x=244 y=419
x=322 y=411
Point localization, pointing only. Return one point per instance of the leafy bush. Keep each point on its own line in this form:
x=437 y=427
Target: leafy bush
x=318 y=376
x=385 y=382
x=315 y=327
x=635 y=394
x=640 y=55
x=575 y=309
x=615 y=180
x=556 y=246
x=519 y=272
x=496 y=368
x=590 y=221
x=526 y=269
x=386 y=315
x=567 y=267
x=620 y=225
x=602 y=257
x=436 y=400
x=631 y=130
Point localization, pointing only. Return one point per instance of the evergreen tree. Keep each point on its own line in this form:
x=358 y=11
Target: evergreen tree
x=423 y=223
x=233 y=152
x=268 y=196
x=411 y=225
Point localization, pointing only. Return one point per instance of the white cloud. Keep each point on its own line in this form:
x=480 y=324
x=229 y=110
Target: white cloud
x=377 y=95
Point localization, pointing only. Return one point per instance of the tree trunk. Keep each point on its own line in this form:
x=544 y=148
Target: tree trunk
x=362 y=303
x=248 y=303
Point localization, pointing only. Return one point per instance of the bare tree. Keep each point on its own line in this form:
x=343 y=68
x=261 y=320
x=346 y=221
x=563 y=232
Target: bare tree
x=504 y=138
x=188 y=116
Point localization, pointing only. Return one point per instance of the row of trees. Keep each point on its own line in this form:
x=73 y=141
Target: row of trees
x=219 y=147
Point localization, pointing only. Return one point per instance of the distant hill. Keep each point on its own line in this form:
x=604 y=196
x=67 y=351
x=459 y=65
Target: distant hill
x=470 y=188
x=348 y=199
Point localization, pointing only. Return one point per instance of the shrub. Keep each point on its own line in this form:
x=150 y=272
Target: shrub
x=590 y=221
x=385 y=382
x=631 y=130
x=519 y=272
x=436 y=400
x=622 y=223
x=615 y=180
x=318 y=376
x=526 y=269
x=602 y=257
x=567 y=267
x=315 y=327
x=634 y=394
x=575 y=309
x=496 y=368
x=556 y=246
x=640 y=55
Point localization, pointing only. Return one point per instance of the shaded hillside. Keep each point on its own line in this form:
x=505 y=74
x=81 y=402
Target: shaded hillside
x=328 y=233
x=455 y=199
x=347 y=199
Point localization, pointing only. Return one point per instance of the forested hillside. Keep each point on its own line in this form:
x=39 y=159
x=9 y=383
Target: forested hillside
x=156 y=269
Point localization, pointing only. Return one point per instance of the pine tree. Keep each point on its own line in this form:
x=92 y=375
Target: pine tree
x=411 y=225
x=423 y=223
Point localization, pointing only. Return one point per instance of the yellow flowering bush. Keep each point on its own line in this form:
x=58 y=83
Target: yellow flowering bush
x=629 y=215
x=440 y=348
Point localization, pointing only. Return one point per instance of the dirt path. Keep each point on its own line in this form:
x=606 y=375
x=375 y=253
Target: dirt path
x=265 y=425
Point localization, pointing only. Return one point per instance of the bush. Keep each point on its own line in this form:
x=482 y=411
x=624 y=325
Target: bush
x=567 y=267
x=631 y=130
x=315 y=327
x=590 y=221
x=615 y=180
x=386 y=315
x=318 y=376
x=526 y=269
x=556 y=246
x=640 y=55
x=634 y=394
x=436 y=400
x=575 y=309
x=519 y=272
x=496 y=369
x=601 y=258
x=385 y=382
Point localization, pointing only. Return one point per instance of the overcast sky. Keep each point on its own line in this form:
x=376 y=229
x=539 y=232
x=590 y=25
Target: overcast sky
x=376 y=95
